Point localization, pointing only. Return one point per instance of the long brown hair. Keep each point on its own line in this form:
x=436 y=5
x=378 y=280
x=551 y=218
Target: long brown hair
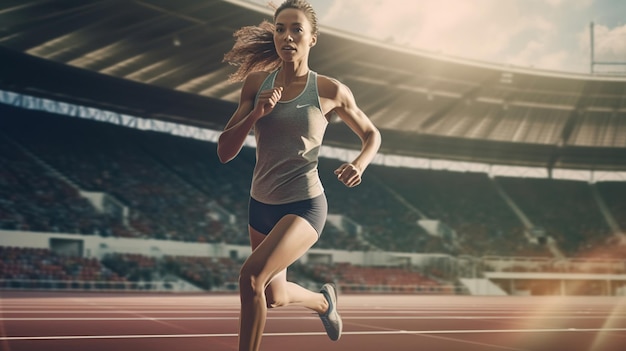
x=254 y=48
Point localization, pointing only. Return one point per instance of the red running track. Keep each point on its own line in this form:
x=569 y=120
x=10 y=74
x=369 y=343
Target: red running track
x=133 y=322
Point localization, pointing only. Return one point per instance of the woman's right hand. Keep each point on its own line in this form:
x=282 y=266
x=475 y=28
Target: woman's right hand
x=267 y=100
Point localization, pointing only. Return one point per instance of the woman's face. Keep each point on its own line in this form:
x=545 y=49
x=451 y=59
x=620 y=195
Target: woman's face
x=293 y=36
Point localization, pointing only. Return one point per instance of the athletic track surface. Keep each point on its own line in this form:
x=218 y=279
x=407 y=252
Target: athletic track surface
x=137 y=322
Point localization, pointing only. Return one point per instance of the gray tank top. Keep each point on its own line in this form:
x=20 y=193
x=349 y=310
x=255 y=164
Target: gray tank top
x=288 y=141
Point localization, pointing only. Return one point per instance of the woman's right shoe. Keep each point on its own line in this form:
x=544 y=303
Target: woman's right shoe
x=331 y=319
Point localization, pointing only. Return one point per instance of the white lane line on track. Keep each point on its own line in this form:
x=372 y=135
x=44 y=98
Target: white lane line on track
x=369 y=332
x=46 y=319
x=6 y=311
x=344 y=311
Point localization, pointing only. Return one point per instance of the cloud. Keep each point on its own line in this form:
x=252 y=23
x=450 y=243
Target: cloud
x=526 y=57
x=578 y=4
x=532 y=33
x=539 y=54
x=610 y=43
x=479 y=29
x=554 y=3
x=609 y=46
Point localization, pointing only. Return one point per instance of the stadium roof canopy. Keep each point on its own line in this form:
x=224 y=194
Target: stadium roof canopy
x=162 y=59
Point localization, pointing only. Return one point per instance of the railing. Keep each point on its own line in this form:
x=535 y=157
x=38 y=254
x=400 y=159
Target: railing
x=549 y=265
x=79 y=285
x=163 y=286
x=447 y=289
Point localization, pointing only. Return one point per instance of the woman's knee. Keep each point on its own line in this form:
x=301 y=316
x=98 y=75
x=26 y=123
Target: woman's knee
x=276 y=297
x=251 y=282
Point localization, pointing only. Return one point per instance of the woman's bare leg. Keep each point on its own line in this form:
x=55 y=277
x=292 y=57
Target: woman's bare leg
x=265 y=269
x=281 y=292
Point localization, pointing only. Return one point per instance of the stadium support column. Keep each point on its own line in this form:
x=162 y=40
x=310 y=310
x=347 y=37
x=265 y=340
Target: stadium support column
x=591 y=42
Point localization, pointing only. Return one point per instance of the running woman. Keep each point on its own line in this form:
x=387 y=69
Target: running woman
x=287 y=106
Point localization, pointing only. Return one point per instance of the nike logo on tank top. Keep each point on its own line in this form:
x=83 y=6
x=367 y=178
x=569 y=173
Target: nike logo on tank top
x=288 y=141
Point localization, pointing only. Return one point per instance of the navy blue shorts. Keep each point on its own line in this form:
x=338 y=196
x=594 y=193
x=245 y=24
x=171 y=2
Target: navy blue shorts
x=263 y=217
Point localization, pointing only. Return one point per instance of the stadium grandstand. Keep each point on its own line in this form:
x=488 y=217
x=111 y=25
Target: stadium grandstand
x=491 y=179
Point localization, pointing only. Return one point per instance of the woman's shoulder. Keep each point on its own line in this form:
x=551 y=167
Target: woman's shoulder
x=327 y=81
x=330 y=87
x=256 y=78
x=253 y=82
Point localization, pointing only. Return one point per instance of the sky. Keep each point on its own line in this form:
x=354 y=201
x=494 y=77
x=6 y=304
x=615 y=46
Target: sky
x=544 y=34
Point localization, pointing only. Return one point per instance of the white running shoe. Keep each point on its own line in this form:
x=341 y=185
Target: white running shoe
x=331 y=319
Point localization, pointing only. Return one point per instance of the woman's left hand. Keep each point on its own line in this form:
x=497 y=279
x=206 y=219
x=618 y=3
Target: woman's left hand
x=349 y=174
